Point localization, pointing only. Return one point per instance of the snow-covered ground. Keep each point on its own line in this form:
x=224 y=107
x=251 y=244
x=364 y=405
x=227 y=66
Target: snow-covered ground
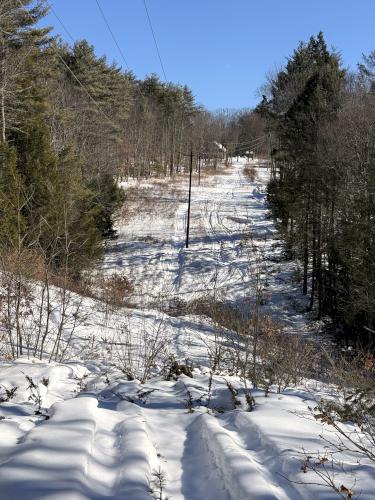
x=231 y=234
x=100 y=435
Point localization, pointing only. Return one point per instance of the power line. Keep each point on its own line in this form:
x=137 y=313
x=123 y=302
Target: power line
x=253 y=146
x=253 y=143
x=137 y=87
x=249 y=142
x=62 y=24
x=86 y=91
x=112 y=34
x=154 y=37
x=253 y=140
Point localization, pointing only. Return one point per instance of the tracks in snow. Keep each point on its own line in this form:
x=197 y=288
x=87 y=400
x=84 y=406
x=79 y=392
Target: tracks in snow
x=166 y=269
x=120 y=454
x=203 y=455
x=108 y=449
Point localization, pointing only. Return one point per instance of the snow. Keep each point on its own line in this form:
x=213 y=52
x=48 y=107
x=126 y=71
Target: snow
x=101 y=435
x=229 y=232
x=220 y=146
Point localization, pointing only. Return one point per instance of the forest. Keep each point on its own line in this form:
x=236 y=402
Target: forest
x=322 y=119
x=72 y=125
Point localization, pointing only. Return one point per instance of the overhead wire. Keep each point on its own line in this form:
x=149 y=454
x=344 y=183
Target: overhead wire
x=245 y=149
x=155 y=42
x=251 y=145
x=92 y=99
x=61 y=23
x=97 y=105
x=138 y=87
x=112 y=35
x=253 y=140
x=250 y=141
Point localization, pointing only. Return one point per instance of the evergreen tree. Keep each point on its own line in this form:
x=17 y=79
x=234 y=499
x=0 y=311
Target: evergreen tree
x=20 y=40
x=305 y=97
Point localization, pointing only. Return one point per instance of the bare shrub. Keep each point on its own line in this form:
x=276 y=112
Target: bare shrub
x=349 y=417
x=113 y=291
x=18 y=272
x=139 y=349
x=30 y=294
x=325 y=467
x=221 y=313
x=353 y=402
x=83 y=287
x=284 y=359
x=176 y=307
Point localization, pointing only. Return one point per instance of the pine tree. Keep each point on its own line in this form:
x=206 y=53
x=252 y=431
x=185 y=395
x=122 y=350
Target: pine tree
x=20 y=40
x=305 y=97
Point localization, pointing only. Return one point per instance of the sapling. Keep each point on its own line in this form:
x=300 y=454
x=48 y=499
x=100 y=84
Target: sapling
x=159 y=482
x=209 y=392
x=189 y=402
x=82 y=382
x=250 y=400
x=234 y=395
x=9 y=393
x=35 y=395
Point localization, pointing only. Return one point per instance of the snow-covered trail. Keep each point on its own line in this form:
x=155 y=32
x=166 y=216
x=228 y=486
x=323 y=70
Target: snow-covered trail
x=230 y=232
x=221 y=215
x=110 y=445
x=108 y=437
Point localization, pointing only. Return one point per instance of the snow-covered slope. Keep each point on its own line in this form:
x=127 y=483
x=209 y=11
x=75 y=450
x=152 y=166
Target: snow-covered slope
x=102 y=435
x=230 y=232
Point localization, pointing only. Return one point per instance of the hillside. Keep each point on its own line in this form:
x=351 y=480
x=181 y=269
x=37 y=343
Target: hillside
x=152 y=398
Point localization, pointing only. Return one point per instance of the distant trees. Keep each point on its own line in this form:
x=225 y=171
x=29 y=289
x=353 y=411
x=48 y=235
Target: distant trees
x=322 y=123
x=72 y=124
x=236 y=130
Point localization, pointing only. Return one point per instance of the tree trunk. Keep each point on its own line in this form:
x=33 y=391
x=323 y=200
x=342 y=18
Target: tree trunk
x=305 y=253
x=2 y=88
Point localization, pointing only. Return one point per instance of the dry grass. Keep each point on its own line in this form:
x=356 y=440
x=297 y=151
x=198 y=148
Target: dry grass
x=210 y=170
x=250 y=172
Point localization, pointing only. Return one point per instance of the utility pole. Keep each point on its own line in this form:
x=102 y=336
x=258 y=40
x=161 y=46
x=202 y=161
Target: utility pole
x=199 y=169
x=189 y=201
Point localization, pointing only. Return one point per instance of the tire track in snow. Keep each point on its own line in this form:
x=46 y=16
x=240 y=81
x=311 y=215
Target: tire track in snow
x=273 y=464
x=121 y=453
x=181 y=453
x=83 y=452
x=243 y=475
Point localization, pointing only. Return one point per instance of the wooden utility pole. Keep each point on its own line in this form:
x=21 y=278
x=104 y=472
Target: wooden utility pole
x=199 y=169
x=189 y=201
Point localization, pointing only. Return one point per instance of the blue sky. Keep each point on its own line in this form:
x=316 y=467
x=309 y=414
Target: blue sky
x=221 y=49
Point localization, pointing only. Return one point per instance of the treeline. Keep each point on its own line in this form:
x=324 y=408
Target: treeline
x=322 y=119
x=71 y=123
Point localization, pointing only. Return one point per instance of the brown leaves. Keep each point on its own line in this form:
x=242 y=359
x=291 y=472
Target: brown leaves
x=349 y=493
x=369 y=362
x=325 y=418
